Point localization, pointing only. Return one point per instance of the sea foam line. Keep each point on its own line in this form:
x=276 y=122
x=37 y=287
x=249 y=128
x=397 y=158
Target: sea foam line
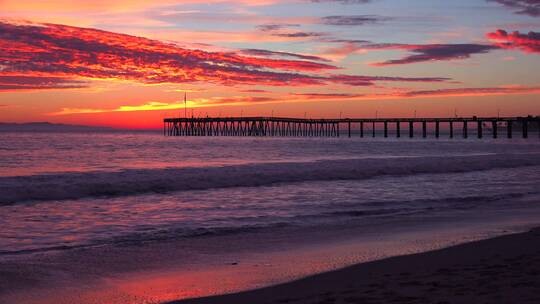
x=63 y=186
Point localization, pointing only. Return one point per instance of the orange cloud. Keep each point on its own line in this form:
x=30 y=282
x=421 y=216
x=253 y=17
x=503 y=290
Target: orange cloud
x=156 y=106
x=52 y=50
x=150 y=106
x=309 y=97
x=109 y=5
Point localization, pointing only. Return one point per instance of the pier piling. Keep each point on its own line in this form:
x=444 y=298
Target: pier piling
x=479 y=129
x=294 y=127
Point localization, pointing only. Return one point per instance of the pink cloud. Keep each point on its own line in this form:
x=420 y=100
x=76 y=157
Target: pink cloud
x=52 y=50
x=529 y=43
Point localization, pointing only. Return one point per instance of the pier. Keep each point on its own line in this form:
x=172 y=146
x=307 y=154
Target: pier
x=349 y=127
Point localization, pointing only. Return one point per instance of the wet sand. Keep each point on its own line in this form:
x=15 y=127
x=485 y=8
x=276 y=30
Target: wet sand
x=505 y=269
x=159 y=272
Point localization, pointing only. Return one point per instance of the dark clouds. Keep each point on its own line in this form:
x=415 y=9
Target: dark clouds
x=275 y=26
x=419 y=53
x=327 y=95
x=299 y=34
x=283 y=30
x=432 y=52
x=18 y=82
x=370 y=80
x=344 y=1
x=523 y=7
x=472 y=92
x=353 y=20
x=354 y=41
x=454 y=92
x=267 y=53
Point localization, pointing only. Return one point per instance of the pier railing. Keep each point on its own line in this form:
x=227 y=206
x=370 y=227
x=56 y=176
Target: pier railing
x=298 y=127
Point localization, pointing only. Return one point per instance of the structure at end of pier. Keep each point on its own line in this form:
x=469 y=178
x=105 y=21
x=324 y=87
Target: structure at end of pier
x=349 y=127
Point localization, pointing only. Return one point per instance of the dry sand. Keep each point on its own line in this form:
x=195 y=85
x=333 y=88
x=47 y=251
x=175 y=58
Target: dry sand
x=501 y=270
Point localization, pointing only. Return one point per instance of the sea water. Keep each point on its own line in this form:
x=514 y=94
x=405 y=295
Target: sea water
x=81 y=192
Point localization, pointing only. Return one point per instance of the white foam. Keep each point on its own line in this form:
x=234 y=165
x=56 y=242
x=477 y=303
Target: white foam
x=64 y=186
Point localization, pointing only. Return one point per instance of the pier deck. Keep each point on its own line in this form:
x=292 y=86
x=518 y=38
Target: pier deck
x=348 y=127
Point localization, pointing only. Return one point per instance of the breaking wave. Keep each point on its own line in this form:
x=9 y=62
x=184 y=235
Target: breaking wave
x=63 y=186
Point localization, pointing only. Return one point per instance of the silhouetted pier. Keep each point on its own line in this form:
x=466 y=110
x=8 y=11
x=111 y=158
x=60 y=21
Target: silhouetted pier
x=349 y=127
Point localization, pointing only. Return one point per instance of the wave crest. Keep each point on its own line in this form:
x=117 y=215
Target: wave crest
x=63 y=186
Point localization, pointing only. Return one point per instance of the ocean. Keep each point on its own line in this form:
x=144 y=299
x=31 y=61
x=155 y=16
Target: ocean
x=272 y=209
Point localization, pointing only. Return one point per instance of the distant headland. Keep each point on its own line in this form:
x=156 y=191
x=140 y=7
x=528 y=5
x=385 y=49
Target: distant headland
x=49 y=127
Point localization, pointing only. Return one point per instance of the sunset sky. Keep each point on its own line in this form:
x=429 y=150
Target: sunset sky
x=128 y=63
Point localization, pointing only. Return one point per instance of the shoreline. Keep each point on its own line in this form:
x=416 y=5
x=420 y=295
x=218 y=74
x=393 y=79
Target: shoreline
x=495 y=270
x=153 y=274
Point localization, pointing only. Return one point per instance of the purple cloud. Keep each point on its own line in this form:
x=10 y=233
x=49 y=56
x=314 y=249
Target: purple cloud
x=266 y=53
x=354 y=20
x=523 y=7
x=344 y=1
x=299 y=34
x=18 y=82
x=275 y=26
x=432 y=52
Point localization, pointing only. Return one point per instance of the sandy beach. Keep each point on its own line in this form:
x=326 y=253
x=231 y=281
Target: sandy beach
x=505 y=269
